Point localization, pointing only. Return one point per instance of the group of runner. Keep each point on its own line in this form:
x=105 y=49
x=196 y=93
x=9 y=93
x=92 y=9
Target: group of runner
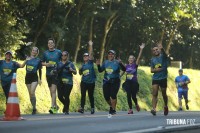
x=60 y=71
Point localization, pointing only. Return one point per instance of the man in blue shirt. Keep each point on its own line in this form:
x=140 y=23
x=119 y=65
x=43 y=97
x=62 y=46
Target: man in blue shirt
x=182 y=82
x=50 y=59
x=159 y=79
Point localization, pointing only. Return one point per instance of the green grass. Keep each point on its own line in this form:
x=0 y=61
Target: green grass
x=144 y=95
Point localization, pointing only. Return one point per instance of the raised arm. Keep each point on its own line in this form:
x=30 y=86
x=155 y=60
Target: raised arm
x=140 y=53
x=91 y=50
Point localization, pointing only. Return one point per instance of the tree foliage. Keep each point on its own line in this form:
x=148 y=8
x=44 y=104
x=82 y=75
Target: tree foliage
x=121 y=25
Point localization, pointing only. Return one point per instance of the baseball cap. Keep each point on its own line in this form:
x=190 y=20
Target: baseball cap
x=8 y=52
x=86 y=54
x=111 y=51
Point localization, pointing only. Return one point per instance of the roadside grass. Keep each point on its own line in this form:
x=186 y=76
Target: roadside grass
x=144 y=95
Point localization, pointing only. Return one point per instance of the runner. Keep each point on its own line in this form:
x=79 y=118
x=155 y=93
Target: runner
x=111 y=81
x=182 y=82
x=7 y=68
x=33 y=64
x=51 y=57
x=131 y=85
x=88 y=79
x=159 y=79
x=65 y=70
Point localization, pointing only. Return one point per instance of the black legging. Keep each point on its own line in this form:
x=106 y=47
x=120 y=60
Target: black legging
x=64 y=91
x=132 y=89
x=6 y=90
x=90 y=88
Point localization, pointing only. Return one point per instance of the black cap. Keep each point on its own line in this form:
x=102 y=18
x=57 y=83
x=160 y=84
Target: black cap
x=180 y=70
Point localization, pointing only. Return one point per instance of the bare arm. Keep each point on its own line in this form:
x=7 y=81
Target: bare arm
x=91 y=50
x=140 y=53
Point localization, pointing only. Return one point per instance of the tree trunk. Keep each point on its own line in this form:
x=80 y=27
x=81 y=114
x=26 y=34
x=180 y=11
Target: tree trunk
x=107 y=28
x=64 y=22
x=171 y=39
x=78 y=43
x=41 y=28
x=191 y=56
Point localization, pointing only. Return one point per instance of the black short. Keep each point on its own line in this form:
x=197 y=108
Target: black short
x=31 y=77
x=51 y=79
x=110 y=89
x=162 y=83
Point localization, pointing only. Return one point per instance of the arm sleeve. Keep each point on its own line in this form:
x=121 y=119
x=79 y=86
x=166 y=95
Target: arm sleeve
x=123 y=68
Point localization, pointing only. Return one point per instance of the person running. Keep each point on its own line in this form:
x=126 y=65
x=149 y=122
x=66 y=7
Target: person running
x=33 y=65
x=111 y=81
x=182 y=82
x=88 y=79
x=65 y=70
x=7 y=68
x=159 y=80
x=50 y=58
x=131 y=84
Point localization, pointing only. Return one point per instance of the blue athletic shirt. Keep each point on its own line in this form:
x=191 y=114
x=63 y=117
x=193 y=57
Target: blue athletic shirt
x=159 y=62
x=180 y=79
x=66 y=75
x=88 y=73
x=52 y=57
x=7 y=70
x=111 y=68
x=33 y=65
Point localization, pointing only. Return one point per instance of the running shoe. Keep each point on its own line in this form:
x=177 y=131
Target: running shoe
x=112 y=111
x=153 y=112
x=130 y=111
x=138 y=108
x=166 y=110
x=81 y=110
x=180 y=109
x=67 y=113
x=51 y=110
x=187 y=107
x=34 y=111
x=92 y=111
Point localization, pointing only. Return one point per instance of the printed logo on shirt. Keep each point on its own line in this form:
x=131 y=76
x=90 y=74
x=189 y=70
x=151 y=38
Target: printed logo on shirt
x=65 y=80
x=86 y=72
x=29 y=68
x=109 y=70
x=158 y=66
x=7 y=71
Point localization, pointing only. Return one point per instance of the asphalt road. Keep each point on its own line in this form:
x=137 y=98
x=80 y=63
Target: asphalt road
x=100 y=123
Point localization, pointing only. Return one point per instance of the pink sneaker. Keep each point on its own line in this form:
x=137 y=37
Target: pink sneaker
x=130 y=111
x=138 y=108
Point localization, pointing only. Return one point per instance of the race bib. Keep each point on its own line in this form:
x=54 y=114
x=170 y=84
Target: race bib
x=52 y=63
x=158 y=66
x=129 y=76
x=86 y=72
x=109 y=70
x=7 y=71
x=29 y=68
x=64 y=80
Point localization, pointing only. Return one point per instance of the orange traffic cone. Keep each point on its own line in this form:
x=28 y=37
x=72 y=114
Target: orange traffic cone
x=12 y=112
